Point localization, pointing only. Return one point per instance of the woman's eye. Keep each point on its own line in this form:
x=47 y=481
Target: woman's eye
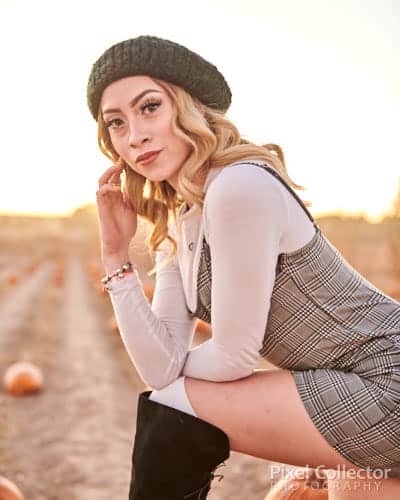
x=111 y=122
x=151 y=105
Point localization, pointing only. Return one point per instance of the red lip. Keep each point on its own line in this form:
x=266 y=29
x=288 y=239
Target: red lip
x=146 y=156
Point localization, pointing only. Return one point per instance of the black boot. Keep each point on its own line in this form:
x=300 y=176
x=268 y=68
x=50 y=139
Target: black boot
x=174 y=453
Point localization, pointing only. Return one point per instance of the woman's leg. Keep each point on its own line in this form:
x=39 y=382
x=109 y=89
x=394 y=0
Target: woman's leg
x=174 y=395
x=174 y=453
x=264 y=416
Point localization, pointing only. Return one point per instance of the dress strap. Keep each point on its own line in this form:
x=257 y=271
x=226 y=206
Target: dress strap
x=272 y=171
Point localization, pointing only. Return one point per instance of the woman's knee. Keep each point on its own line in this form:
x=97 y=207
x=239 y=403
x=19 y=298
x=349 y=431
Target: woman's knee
x=175 y=396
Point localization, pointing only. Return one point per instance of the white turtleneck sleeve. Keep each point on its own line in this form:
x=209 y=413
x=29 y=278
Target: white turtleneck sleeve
x=157 y=336
x=245 y=218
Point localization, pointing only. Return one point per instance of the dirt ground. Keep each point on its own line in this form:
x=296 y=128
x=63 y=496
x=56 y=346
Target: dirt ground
x=73 y=439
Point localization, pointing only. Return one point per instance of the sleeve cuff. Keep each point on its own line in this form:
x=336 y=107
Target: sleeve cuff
x=128 y=282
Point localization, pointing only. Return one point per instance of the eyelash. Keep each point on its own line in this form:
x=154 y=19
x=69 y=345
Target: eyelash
x=150 y=102
x=145 y=105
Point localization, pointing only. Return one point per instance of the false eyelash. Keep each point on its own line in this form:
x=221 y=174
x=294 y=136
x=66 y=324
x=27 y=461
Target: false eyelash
x=150 y=102
x=109 y=123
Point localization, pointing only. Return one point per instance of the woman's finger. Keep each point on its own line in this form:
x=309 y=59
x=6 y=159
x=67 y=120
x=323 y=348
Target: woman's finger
x=106 y=198
x=115 y=177
x=114 y=170
x=106 y=189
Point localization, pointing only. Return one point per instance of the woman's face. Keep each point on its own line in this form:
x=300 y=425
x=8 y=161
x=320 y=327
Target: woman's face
x=138 y=115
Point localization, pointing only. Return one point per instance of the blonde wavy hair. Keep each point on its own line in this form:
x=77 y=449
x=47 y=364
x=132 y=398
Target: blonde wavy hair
x=215 y=142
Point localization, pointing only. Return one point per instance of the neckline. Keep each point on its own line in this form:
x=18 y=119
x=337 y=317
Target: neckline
x=185 y=211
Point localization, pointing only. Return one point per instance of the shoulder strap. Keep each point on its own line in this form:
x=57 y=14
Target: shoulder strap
x=289 y=188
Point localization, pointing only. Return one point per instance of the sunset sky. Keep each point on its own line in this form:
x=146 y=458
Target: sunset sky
x=320 y=78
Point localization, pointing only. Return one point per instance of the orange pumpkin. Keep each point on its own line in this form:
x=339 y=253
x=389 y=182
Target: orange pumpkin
x=23 y=378
x=9 y=491
x=148 y=290
x=311 y=486
x=203 y=328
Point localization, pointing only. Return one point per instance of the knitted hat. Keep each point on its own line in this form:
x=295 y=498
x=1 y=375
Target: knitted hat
x=161 y=59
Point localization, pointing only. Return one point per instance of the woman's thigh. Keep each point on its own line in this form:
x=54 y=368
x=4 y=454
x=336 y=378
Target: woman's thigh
x=264 y=416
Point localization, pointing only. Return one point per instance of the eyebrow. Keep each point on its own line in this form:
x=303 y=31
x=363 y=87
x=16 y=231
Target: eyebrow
x=133 y=101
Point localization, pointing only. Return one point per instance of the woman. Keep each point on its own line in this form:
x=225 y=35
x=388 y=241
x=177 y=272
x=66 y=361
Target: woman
x=236 y=247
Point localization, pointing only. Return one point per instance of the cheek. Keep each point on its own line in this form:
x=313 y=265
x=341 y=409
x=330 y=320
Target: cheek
x=178 y=144
x=118 y=144
x=184 y=147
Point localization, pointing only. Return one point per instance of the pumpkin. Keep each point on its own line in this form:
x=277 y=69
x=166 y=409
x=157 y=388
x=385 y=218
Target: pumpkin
x=148 y=290
x=309 y=486
x=203 y=328
x=23 y=378
x=9 y=491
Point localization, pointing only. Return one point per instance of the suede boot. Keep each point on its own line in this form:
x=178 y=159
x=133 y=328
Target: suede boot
x=174 y=453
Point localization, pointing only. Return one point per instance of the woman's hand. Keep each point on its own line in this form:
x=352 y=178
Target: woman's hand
x=117 y=217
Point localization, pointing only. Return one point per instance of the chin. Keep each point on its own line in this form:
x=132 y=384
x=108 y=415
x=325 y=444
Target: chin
x=156 y=177
x=161 y=174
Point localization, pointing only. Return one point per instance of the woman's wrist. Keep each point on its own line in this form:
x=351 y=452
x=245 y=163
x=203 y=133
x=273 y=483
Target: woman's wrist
x=112 y=262
x=117 y=273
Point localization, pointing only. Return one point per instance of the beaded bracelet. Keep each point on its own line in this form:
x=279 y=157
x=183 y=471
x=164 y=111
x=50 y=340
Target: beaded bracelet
x=120 y=273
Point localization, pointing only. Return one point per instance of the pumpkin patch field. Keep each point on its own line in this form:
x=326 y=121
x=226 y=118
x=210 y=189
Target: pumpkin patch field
x=68 y=389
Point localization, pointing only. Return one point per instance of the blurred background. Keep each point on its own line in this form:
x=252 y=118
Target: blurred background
x=319 y=78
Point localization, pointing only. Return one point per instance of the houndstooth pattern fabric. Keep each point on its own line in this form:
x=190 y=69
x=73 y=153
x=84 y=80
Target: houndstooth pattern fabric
x=340 y=337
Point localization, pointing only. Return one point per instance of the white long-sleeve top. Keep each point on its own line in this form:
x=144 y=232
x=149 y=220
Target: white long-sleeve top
x=248 y=219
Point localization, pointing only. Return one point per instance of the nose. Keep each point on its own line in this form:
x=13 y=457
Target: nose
x=137 y=135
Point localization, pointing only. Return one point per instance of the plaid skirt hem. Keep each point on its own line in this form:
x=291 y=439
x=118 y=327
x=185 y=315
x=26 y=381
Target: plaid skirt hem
x=356 y=417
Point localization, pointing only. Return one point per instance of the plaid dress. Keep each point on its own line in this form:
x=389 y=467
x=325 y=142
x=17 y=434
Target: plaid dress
x=340 y=337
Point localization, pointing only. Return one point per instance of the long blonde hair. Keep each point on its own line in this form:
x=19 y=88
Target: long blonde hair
x=215 y=142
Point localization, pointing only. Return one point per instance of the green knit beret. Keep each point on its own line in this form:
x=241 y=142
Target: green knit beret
x=162 y=59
